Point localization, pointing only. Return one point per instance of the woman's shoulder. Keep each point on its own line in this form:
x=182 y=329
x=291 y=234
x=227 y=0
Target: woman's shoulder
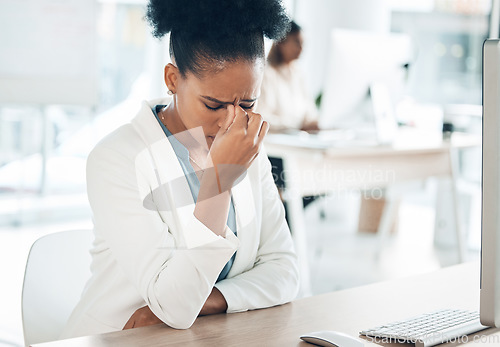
x=271 y=77
x=129 y=139
x=118 y=151
x=278 y=74
x=121 y=140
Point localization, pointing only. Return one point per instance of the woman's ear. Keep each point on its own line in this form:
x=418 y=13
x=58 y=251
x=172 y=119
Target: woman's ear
x=171 y=75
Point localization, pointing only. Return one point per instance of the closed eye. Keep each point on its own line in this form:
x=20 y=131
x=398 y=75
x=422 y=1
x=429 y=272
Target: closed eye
x=213 y=108
x=248 y=107
x=220 y=106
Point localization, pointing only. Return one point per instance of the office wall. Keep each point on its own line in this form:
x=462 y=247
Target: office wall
x=42 y=62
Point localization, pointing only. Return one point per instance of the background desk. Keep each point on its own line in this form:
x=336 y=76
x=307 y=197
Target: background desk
x=313 y=170
x=348 y=311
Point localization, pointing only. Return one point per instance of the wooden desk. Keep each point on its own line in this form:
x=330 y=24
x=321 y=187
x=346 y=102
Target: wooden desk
x=309 y=170
x=348 y=311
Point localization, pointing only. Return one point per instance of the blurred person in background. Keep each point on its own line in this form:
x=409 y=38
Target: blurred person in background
x=284 y=101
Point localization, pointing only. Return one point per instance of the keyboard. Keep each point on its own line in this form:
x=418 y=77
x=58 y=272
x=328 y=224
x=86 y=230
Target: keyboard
x=428 y=329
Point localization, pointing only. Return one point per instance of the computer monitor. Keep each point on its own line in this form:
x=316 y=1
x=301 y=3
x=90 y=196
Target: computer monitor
x=363 y=64
x=490 y=227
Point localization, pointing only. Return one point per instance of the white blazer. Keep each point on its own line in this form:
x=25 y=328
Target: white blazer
x=147 y=253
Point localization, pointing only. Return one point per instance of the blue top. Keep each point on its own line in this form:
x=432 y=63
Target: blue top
x=182 y=154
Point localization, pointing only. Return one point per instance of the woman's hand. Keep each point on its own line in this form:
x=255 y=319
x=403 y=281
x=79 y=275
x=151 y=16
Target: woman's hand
x=235 y=147
x=311 y=126
x=237 y=143
x=216 y=303
x=141 y=318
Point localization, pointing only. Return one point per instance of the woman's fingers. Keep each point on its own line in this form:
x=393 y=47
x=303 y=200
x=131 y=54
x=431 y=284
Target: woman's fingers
x=263 y=130
x=228 y=120
x=241 y=118
x=254 y=124
x=257 y=127
x=240 y=140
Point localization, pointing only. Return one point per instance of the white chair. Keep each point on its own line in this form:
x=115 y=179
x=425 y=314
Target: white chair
x=57 y=269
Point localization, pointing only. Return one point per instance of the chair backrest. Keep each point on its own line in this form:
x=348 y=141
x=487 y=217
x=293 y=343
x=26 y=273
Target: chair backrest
x=57 y=269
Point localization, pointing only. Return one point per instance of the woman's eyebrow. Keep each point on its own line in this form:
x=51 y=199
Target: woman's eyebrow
x=209 y=98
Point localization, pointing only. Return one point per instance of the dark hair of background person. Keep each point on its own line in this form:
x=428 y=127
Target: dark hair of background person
x=275 y=57
x=205 y=34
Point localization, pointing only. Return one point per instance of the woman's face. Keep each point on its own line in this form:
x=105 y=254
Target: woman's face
x=203 y=101
x=291 y=47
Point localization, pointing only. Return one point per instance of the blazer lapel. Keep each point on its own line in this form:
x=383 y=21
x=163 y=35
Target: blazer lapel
x=172 y=187
x=246 y=220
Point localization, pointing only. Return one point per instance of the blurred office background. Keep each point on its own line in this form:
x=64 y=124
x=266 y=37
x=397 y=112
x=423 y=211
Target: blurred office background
x=44 y=143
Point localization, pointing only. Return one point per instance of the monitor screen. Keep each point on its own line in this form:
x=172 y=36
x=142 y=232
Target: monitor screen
x=362 y=63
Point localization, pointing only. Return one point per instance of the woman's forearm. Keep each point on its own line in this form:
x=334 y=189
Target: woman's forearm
x=144 y=316
x=212 y=206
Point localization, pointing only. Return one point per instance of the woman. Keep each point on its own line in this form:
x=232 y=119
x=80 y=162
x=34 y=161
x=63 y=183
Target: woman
x=284 y=101
x=187 y=218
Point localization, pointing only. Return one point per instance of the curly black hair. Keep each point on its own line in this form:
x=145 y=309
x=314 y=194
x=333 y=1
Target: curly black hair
x=206 y=33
